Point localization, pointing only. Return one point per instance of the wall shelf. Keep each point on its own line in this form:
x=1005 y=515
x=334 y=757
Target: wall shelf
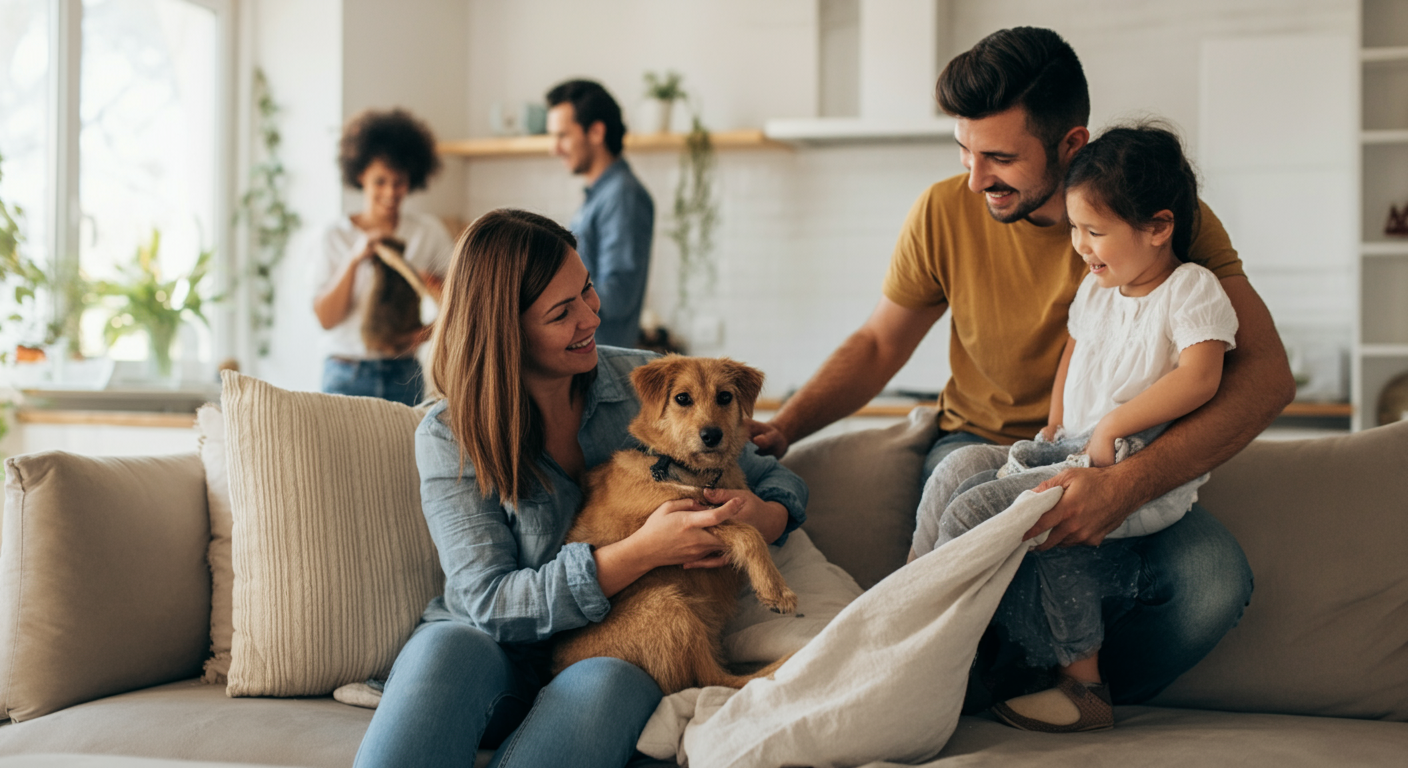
x=1397 y=136
x=1384 y=248
x=541 y=146
x=1383 y=350
x=1379 y=55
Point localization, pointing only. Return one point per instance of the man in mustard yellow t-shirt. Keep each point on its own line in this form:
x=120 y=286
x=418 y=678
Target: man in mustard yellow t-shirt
x=993 y=248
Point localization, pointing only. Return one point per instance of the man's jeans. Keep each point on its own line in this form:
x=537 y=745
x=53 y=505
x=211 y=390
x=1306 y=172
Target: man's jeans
x=1194 y=585
x=453 y=690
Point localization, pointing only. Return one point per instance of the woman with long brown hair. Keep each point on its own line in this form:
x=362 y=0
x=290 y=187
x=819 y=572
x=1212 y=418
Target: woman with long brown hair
x=530 y=404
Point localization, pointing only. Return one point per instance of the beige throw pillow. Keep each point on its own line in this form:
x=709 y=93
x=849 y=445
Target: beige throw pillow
x=103 y=582
x=211 y=425
x=863 y=489
x=332 y=559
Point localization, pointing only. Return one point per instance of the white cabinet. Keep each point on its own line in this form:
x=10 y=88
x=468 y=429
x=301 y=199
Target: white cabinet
x=1381 y=349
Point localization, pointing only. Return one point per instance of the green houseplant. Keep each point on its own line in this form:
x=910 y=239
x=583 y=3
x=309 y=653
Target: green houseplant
x=665 y=90
x=264 y=209
x=146 y=301
x=695 y=217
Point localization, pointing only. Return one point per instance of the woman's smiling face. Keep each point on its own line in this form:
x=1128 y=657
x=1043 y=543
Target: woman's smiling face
x=559 y=329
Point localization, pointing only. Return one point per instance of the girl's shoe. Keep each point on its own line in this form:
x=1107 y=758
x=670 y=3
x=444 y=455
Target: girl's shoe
x=1070 y=707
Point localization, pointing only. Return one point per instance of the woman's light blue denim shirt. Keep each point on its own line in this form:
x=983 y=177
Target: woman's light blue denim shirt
x=507 y=571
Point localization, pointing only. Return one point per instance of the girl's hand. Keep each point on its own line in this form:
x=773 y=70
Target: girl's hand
x=675 y=534
x=1101 y=449
x=1048 y=432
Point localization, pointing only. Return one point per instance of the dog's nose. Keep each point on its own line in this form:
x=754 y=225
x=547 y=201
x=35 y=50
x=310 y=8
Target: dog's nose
x=711 y=436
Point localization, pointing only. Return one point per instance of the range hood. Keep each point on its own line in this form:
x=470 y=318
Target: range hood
x=877 y=63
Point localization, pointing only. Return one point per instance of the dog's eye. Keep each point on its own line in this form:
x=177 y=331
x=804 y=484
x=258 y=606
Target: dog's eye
x=724 y=398
x=684 y=399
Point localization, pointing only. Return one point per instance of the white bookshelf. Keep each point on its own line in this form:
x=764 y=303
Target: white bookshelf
x=1381 y=334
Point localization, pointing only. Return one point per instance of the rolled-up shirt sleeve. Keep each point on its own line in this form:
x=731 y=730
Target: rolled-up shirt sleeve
x=773 y=482
x=485 y=582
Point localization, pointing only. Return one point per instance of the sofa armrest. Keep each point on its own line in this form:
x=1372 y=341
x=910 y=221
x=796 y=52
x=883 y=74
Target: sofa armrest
x=104 y=586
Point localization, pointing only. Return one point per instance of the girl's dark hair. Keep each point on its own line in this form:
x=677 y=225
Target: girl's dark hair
x=1026 y=67
x=501 y=265
x=396 y=138
x=1134 y=172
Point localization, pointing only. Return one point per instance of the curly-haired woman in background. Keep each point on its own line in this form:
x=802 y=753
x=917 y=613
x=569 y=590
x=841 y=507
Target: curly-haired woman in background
x=385 y=155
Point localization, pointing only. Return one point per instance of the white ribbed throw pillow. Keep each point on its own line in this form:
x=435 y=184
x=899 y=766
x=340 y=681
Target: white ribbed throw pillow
x=333 y=562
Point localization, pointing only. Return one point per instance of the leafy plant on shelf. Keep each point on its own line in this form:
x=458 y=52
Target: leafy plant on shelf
x=153 y=304
x=264 y=209
x=664 y=87
x=696 y=216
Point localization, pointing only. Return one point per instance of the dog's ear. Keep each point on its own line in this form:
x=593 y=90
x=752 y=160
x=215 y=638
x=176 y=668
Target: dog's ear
x=748 y=381
x=652 y=382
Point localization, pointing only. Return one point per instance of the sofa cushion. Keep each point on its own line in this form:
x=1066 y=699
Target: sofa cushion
x=189 y=720
x=863 y=490
x=333 y=562
x=103 y=581
x=1323 y=523
x=211 y=425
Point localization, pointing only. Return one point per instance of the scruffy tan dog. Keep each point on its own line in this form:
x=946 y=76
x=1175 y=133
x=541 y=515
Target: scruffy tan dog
x=669 y=621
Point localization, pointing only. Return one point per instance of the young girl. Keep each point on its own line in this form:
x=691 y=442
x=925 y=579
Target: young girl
x=1147 y=337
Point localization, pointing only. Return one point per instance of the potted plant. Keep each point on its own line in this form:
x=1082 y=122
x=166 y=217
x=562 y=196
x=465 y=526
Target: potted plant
x=695 y=217
x=147 y=302
x=665 y=90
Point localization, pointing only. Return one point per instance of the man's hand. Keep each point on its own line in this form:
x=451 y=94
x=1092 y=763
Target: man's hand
x=769 y=439
x=1091 y=506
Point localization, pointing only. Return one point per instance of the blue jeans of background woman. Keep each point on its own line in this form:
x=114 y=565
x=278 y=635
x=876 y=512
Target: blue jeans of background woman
x=396 y=379
x=453 y=690
x=1193 y=585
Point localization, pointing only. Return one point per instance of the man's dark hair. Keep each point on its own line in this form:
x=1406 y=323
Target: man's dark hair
x=1134 y=172
x=1026 y=67
x=396 y=138
x=591 y=104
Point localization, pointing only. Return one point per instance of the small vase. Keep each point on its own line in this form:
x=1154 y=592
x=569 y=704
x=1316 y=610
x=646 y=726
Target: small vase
x=663 y=112
x=161 y=339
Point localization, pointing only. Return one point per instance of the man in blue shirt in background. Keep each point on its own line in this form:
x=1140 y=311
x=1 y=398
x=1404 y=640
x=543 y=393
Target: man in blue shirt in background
x=615 y=224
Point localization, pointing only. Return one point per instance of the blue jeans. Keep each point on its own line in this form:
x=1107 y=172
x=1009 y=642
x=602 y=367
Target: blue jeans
x=454 y=690
x=1194 y=583
x=396 y=379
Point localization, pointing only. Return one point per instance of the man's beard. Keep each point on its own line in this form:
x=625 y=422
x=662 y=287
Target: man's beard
x=1030 y=201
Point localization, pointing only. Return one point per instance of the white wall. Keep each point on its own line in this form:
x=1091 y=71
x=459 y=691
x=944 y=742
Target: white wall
x=806 y=234
x=299 y=45
x=326 y=60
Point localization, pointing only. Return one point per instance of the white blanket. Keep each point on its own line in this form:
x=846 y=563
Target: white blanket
x=884 y=681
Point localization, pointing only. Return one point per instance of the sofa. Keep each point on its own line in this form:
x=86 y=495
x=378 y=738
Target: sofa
x=108 y=575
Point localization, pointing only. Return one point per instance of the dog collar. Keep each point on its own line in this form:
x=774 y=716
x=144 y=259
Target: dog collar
x=669 y=469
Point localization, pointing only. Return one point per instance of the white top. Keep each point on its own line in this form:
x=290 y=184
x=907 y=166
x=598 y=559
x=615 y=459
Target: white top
x=1126 y=343
x=428 y=249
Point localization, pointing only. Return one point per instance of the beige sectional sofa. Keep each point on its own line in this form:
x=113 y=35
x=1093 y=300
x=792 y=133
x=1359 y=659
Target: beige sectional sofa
x=105 y=606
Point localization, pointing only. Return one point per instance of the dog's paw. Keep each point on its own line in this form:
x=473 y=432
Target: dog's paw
x=784 y=601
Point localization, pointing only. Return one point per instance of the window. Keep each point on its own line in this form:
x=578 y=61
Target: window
x=146 y=127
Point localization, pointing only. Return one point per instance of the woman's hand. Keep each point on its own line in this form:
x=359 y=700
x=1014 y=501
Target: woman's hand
x=769 y=517
x=674 y=534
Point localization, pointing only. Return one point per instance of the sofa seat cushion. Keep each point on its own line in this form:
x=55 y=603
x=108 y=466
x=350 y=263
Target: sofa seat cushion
x=1157 y=736
x=190 y=720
